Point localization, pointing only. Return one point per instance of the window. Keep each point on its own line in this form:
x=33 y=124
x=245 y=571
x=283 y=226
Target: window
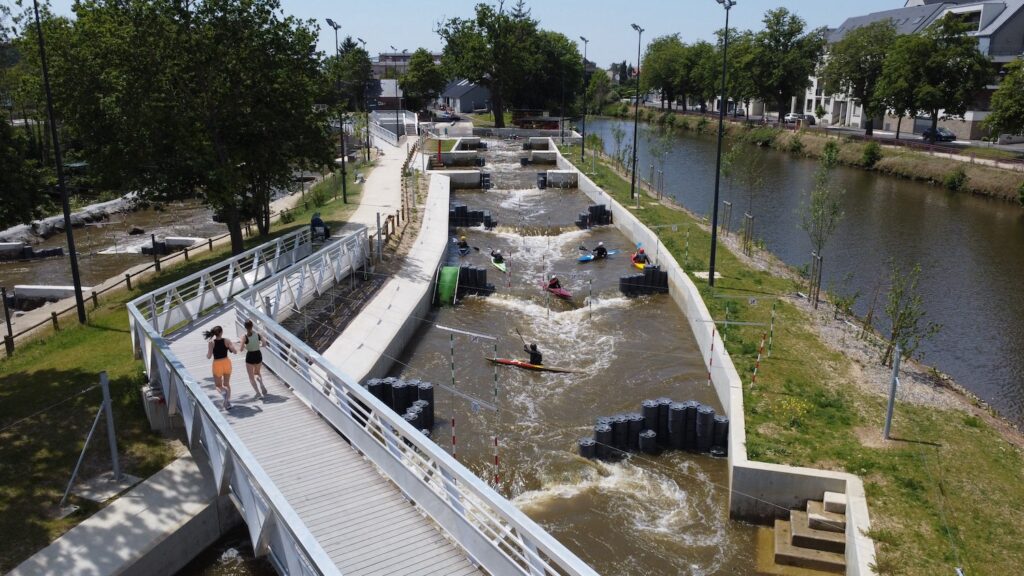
x=972 y=19
x=810 y=106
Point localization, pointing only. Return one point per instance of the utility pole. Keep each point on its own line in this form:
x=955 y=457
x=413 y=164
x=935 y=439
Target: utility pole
x=636 y=116
x=341 y=114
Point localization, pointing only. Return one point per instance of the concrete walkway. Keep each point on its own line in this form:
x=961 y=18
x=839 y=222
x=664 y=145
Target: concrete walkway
x=382 y=191
x=153 y=529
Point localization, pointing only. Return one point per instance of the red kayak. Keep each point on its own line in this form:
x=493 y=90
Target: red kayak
x=559 y=292
x=527 y=366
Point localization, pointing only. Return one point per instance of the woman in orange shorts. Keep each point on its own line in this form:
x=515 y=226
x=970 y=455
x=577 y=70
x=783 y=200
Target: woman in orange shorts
x=218 y=350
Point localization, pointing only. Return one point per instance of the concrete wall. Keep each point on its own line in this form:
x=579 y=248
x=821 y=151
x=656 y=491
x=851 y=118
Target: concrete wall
x=384 y=327
x=759 y=492
x=463 y=179
x=562 y=179
x=543 y=156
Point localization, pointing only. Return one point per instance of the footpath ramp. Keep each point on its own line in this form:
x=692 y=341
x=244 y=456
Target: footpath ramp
x=359 y=517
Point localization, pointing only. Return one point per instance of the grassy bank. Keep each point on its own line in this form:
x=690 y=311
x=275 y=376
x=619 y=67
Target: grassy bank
x=446 y=145
x=486 y=119
x=894 y=161
x=43 y=422
x=948 y=491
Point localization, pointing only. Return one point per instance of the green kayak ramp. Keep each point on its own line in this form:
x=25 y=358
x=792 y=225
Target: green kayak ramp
x=448 y=284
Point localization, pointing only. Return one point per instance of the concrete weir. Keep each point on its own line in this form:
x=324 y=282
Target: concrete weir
x=759 y=491
x=155 y=529
x=368 y=346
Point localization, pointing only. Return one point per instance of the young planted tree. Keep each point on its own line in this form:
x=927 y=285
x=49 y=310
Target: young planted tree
x=1007 y=116
x=598 y=91
x=854 y=66
x=784 y=57
x=821 y=212
x=905 y=310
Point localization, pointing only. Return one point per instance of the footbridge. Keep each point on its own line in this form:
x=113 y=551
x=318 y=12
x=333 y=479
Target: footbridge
x=327 y=478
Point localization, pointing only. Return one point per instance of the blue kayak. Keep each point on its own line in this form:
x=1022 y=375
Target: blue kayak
x=590 y=257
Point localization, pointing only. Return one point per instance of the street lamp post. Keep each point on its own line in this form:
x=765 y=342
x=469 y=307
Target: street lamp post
x=366 y=105
x=58 y=158
x=636 y=116
x=727 y=4
x=394 y=52
x=583 y=141
x=341 y=115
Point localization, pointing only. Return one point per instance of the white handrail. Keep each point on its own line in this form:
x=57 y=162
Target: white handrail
x=493 y=532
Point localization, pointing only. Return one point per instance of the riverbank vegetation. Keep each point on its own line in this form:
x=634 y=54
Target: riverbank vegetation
x=946 y=491
x=900 y=162
x=44 y=421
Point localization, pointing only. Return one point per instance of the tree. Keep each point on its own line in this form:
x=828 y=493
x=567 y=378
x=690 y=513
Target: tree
x=215 y=97
x=905 y=309
x=704 y=73
x=953 y=72
x=662 y=66
x=741 y=84
x=494 y=49
x=784 y=57
x=19 y=178
x=854 y=66
x=352 y=74
x=1007 y=116
x=598 y=91
x=901 y=75
x=555 y=77
x=822 y=211
x=423 y=81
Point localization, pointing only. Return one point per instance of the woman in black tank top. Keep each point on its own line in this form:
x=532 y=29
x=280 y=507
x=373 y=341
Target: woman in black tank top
x=218 y=349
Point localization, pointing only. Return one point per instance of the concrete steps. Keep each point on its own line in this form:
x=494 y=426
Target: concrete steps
x=815 y=538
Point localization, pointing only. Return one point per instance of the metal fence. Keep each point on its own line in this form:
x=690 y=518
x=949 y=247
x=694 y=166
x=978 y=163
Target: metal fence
x=274 y=527
x=491 y=530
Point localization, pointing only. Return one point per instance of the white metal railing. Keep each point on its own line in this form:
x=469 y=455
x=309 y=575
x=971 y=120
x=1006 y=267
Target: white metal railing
x=493 y=532
x=188 y=299
x=383 y=133
x=274 y=527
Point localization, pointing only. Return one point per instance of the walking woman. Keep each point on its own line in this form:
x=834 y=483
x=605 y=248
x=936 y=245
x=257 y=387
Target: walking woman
x=218 y=350
x=254 y=359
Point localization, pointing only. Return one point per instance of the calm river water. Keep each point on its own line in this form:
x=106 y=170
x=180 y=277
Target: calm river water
x=971 y=250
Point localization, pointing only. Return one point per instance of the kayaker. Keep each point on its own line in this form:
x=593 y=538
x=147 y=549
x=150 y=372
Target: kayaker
x=497 y=257
x=536 y=358
x=600 y=252
x=554 y=284
x=463 y=244
x=640 y=257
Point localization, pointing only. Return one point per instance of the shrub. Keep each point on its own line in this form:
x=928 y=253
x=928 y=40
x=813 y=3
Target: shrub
x=670 y=119
x=796 y=145
x=956 y=180
x=762 y=135
x=872 y=154
x=287 y=217
x=684 y=123
x=318 y=197
x=1020 y=194
x=702 y=124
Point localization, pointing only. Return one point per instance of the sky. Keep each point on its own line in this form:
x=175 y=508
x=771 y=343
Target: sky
x=410 y=24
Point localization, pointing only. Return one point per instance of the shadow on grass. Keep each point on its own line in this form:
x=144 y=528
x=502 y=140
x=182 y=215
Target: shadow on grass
x=913 y=441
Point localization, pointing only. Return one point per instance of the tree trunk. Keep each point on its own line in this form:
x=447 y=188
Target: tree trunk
x=498 y=108
x=869 y=128
x=935 y=125
x=899 y=122
x=782 y=106
x=234 y=224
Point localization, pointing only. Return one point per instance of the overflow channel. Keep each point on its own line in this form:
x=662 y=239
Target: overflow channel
x=520 y=429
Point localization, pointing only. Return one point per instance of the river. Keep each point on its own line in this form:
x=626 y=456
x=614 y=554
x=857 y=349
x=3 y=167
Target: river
x=971 y=250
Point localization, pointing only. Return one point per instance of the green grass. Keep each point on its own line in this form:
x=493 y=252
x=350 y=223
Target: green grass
x=949 y=492
x=486 y=119
x=446 y=145
x=993 y=153
x=39 y=452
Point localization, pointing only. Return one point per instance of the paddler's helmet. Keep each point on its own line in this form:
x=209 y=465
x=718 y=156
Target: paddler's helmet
x=553 y=278
x=641 y=251
x=533 y=347
x=462 y=238
x=600 y=243
x=497 y=251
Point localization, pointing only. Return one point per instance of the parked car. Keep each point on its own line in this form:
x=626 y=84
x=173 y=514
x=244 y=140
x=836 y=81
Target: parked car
x=793 y=118
x=938 y=135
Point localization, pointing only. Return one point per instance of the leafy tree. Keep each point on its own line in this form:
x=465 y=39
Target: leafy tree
x=784 y=57
x=1007 y=116
x=954 y=71
x=598 y=91
x=351 y=76
x=423 y=81
x=19 y=178
x=493 y=49
x=213 y=97
x=662 y=66
x=901 y=75
x=741 y=84
x=905 y=309
x=555 y=77
x=854 y=66
x=703 y=73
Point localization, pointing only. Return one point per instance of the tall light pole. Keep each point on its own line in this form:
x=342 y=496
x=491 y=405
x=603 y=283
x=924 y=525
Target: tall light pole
x=58 y=158
x=395 y=52
x=583 y=141
x=636 y=116
x=366 y=104
x=727 y=4
x=341 y=114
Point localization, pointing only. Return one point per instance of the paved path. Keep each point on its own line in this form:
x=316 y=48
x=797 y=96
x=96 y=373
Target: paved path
x=382 y=191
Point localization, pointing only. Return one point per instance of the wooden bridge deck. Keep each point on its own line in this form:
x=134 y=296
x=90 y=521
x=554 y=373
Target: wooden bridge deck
x=359 y=517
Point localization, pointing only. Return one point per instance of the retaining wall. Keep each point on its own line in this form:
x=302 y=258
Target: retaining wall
x=383 y=328
x=759 y=492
